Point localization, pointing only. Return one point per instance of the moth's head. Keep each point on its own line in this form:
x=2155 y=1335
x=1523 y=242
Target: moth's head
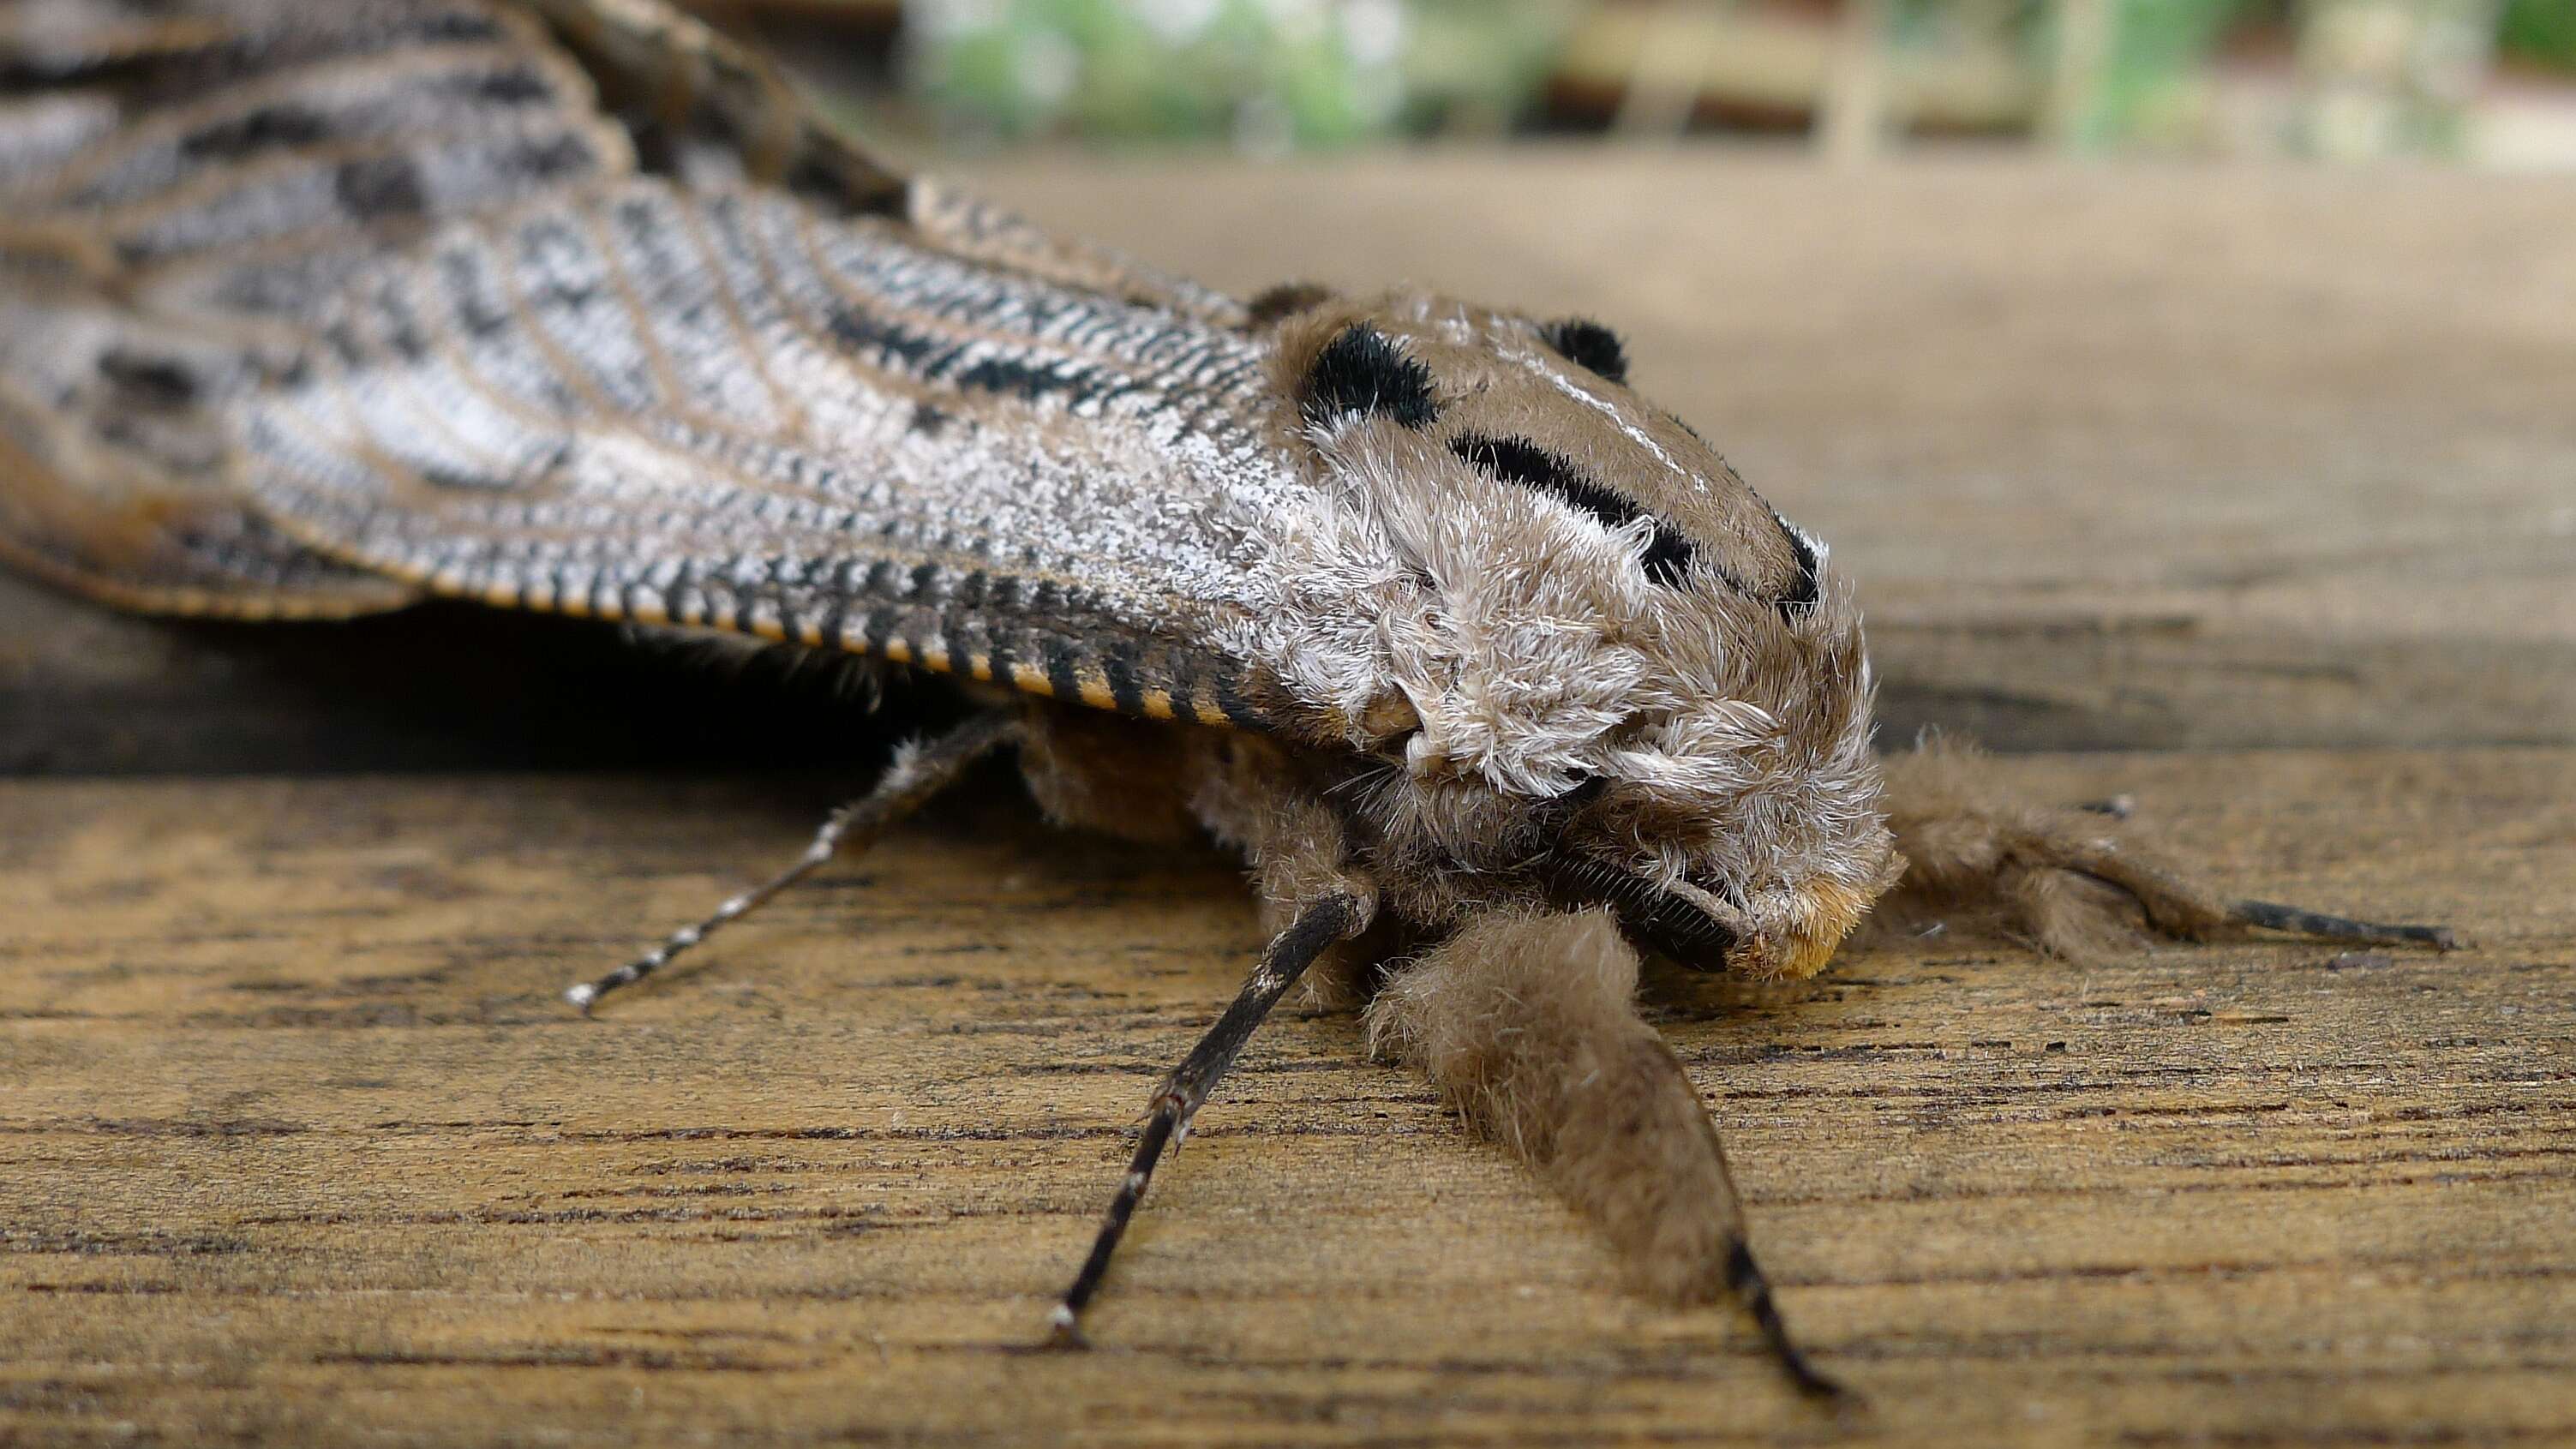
x=1583 y=660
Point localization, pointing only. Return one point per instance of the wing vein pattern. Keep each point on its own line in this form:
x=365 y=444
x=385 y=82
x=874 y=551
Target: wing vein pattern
x=315 y=310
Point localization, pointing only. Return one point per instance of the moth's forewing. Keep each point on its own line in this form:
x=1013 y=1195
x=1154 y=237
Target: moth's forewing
x=721 y=411
x=410 y=320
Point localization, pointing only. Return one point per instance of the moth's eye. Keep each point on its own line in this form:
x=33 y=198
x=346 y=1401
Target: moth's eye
x=1587 y=343
x=1361 y=373
x=1518 y=460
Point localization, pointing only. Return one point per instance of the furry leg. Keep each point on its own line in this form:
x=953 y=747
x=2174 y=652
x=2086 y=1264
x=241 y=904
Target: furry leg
x=2057 y=876
x=1323 y=922
x=919 y=772
x=1529 y=1024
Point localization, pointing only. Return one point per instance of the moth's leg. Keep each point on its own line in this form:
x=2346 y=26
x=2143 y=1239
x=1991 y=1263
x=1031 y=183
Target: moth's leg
x=1529 y=1024
x=2062 y=877
x=920 y=771
x=1316 y=928
x=1151 y=781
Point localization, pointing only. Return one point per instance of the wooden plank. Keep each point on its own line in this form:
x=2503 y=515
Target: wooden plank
x=2121 y=458
x=296 y=1143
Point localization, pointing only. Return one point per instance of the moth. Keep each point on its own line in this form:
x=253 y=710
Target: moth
x=1498 y=676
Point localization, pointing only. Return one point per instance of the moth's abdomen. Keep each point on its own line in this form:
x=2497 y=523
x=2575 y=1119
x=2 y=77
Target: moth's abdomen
x=729 y=412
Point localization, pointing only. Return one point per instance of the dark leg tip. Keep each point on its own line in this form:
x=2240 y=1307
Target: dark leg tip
x=2272 y=916
x=1823 y=1388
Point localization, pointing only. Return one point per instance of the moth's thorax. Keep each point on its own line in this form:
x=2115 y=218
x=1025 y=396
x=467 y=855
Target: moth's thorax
x=1553 y=625
x=1496 y=378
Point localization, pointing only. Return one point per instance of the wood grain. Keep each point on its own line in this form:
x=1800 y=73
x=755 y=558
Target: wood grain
x=296 y=1143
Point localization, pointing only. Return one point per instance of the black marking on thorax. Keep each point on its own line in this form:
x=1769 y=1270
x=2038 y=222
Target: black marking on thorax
x=1668 y=555
x=1517 y=460
x=1588 y=344
x=1803 y=594
x=1361 y=373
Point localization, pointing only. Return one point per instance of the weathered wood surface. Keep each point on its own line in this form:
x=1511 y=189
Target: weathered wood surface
x=2123 y=459
x=297 y=1144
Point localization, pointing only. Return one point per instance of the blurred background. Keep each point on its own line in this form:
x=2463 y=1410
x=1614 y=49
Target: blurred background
x=2487 y=83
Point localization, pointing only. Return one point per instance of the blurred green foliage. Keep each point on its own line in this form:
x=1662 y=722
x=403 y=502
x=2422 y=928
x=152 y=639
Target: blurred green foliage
x=2541 y=31
x=2154 y=72
x=2340 y=78
x=1268 y=74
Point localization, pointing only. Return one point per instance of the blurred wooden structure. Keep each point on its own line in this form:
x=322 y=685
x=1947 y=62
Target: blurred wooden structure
x=2338 y=80
x=2265 y=481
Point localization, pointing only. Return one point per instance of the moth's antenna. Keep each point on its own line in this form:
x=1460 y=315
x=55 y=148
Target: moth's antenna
x=1317 y=927
x=919 y=772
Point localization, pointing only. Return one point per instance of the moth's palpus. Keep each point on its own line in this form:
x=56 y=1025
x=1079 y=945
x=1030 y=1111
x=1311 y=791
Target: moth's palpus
x=1496 y=673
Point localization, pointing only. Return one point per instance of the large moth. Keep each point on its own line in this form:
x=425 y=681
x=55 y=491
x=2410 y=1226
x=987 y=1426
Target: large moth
x=1496 y=673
